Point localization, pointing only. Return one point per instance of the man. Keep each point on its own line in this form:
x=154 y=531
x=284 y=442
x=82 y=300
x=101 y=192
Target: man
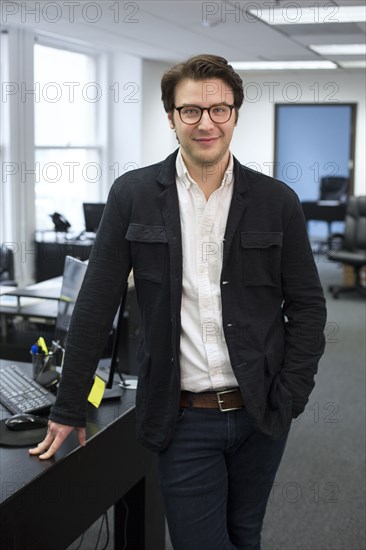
x=232 y=316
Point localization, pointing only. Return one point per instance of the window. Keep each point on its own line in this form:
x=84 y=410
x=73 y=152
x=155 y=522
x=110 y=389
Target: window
x=5 y=227
x=67 y=154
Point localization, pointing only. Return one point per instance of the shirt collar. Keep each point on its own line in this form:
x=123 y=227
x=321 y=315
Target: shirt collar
x=184 y=176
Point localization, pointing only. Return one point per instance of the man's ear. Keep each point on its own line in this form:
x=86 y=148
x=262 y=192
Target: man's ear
x=236 y=116
x=171 y=121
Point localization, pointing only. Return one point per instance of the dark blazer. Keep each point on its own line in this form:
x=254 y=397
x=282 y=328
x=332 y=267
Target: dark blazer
x=272 y=301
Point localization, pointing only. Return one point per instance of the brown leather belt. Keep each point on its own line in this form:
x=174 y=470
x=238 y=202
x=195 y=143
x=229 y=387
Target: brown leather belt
x=227 y=400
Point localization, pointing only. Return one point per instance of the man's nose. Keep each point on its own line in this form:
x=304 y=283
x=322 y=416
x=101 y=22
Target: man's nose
x=205 y=121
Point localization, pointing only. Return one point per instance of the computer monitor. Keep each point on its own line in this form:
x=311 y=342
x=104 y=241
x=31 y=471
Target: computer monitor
x=73 y=275
x=93 y=212
x=126 y=338
x=126 y=325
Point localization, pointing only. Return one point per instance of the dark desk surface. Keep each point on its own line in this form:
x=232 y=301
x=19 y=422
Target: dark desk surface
x=328 y=211
x=49 y=504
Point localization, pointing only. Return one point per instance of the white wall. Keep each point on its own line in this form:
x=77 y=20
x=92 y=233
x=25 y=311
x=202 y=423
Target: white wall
x=158 y=140
x=253 y=141
x=125 y=114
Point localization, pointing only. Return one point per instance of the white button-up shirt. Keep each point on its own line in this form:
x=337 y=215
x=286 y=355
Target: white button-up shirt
x=204 y=359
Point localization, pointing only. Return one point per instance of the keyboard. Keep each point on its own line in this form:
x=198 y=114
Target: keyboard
x=19 y=393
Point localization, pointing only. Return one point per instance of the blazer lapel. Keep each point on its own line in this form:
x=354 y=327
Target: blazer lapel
x=237 y=207
x=169 y=206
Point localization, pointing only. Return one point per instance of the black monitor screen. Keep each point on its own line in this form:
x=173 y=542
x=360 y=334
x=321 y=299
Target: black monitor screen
x=73 y=276
x=93 y=212
x=127 y=336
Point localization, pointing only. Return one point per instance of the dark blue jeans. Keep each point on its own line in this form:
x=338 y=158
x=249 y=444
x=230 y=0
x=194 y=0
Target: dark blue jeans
x=216 y=476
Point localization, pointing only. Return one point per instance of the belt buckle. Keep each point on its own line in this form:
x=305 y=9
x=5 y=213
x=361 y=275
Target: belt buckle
x=218 y=394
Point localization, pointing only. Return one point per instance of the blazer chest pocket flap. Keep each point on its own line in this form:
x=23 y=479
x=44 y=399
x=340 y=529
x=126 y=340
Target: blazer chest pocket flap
x=149 y=251
x=261 y=258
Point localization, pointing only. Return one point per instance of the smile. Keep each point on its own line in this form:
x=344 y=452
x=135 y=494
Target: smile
x=206 y=141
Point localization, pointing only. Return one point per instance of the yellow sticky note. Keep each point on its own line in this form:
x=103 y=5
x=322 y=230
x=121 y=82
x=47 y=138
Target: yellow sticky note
x=96 y=393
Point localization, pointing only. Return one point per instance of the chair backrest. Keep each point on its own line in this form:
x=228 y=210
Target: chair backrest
x=72 y=278
x=355 y=227
x=6 y=264
x=334 y=188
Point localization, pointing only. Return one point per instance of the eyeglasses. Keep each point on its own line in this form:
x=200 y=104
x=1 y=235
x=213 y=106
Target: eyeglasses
x=191 y=114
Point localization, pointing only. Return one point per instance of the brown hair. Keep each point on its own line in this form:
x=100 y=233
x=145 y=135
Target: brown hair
x=201 y=67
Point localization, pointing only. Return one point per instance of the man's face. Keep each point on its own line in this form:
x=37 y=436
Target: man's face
x=204 y=142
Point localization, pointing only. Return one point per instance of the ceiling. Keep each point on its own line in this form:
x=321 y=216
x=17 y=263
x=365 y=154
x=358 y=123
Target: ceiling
x=170 y=31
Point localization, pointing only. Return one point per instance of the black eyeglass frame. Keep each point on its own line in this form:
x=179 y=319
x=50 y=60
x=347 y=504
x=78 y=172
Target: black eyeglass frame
x=231 y=107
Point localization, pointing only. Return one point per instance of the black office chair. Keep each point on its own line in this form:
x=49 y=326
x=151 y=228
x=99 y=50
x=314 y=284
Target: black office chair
x=6 y=266
x=352 y=250
x=334 y=188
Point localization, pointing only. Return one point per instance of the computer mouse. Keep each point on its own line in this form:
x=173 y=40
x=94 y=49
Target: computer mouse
x=25 y=421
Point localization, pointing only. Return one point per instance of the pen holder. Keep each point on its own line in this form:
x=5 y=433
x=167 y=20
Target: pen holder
x=42 y=362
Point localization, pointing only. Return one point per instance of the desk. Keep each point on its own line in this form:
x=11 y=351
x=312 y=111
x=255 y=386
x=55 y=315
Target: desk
x=38 y=304
x=46 y=290
x=327 y=211
x=36 y=301
x=20 y=308
x=46 y=505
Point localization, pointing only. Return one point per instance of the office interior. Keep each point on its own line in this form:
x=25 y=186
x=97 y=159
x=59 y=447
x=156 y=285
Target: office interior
x=317 y=502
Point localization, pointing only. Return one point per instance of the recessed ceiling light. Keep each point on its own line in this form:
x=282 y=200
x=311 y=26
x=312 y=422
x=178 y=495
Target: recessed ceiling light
x=339 y=49
x=281 y=65
x=292 y=14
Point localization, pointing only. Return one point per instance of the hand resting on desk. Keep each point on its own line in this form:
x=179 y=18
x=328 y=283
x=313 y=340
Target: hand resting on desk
x=56 y=435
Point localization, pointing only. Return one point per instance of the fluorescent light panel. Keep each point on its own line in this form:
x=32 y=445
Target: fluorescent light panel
x=361 y=64
x=281 y=65
x=339 y=49
x=310 y=16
